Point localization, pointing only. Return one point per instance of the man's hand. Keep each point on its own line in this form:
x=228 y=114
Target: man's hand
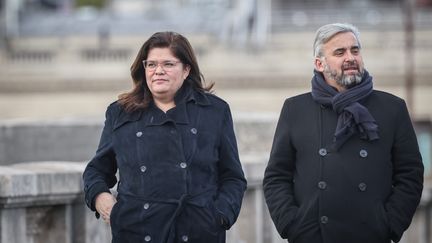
x=104 y=204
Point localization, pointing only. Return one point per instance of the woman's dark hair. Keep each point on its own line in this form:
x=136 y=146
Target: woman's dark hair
x=140 y=96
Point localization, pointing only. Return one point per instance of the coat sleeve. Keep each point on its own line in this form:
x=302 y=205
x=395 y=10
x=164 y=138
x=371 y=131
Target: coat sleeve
x=231 y=182
x=407 y=176
x=278 y=181
x=99 y=175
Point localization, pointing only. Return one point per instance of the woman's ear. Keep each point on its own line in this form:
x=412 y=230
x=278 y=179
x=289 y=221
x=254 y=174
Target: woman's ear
x=186 y=71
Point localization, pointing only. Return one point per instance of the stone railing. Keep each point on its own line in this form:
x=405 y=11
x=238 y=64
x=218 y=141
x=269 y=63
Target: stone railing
x=77 y=139
x=42 y=202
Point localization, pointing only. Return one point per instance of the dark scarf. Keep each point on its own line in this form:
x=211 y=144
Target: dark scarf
x=352 y=116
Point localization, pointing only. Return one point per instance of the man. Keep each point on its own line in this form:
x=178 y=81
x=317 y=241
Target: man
x=345 y=165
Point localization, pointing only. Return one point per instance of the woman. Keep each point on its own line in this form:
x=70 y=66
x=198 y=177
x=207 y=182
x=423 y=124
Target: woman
x=173 y=144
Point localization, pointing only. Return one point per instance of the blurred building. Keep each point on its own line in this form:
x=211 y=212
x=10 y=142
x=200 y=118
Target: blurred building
x=257 y=51
x=88 y=45
x=84 y=17
x=65 y=31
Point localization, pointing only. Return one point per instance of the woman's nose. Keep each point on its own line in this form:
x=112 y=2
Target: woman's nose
x=159 y=70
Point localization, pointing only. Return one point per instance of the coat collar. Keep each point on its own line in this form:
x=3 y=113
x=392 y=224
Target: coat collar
x=187 y=94
x=154 y=116
x=125 y=117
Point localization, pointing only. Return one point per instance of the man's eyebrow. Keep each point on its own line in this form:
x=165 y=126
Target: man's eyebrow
x=339 y=49
x=344 y=48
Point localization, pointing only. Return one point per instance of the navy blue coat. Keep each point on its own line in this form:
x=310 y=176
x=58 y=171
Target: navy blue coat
x=180 y=178
x=367 y=191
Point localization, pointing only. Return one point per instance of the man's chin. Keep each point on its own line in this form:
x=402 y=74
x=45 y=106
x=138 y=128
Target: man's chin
x=350 y=85
x=349 y=81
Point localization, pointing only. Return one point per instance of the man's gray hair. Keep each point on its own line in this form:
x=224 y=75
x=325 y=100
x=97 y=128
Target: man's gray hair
x=326 y=32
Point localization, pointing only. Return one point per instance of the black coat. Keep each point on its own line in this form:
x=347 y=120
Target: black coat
x=180 y=175
x=367 y=191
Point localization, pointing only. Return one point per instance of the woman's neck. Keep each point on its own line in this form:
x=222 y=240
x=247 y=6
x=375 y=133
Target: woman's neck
x=165 y=105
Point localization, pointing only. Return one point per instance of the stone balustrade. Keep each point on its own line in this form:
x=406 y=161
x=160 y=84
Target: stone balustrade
x=42 y=202
x=77 y=139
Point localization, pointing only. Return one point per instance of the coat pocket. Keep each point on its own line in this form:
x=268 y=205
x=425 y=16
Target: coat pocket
x=131 y=237
x=382 y=222
x=113 y=215
x=206 y=220
x=292 y=230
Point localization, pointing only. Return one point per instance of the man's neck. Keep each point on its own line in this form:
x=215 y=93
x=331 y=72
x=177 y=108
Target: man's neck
x=335 y=85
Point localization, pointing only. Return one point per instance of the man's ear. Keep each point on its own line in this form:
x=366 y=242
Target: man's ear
x=319 y=64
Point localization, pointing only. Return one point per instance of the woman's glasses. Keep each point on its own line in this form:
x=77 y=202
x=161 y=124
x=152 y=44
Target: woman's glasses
x=165 y=65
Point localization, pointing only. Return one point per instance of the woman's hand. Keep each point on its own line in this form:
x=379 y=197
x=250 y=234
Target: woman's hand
x=104 y=204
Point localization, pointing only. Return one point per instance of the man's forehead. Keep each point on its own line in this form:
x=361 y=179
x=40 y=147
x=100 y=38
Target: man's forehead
x=345 y=40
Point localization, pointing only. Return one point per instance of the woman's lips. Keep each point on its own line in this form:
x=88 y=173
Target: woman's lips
x=159 y=80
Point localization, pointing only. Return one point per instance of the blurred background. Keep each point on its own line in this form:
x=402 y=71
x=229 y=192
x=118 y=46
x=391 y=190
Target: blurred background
x=69 y=58
x=63 y=61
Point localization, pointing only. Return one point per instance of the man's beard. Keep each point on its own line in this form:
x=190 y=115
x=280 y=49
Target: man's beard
x=346 y=81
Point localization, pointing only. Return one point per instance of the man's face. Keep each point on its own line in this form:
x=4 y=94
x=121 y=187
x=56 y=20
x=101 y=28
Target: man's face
x=341 y=61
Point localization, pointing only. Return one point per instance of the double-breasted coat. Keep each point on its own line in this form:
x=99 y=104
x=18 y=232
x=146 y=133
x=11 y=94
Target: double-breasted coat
x=180 y=178
x=367 y=191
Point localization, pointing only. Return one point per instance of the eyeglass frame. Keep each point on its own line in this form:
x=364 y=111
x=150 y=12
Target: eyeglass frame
x=161 y=64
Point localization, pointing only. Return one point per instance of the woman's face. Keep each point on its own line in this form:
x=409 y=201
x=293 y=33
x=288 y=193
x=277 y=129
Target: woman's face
x=164 y=73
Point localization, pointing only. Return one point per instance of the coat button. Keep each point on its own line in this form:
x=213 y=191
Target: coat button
x=185 y=238
x=363 y=153
x=194 y=130
x=183 y=165
x=139 y=134
x=147 y=238
x=323 y=152
x=324 y=219
x=143 y=168
x=362 y=186
x=322 y=185
x=146 y=206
